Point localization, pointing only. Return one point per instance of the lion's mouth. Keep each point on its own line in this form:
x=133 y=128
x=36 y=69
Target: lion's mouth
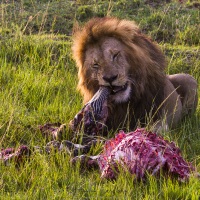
x=116 y=89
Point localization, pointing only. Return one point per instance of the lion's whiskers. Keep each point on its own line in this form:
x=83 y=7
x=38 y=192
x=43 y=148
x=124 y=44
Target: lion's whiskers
x=132 y=81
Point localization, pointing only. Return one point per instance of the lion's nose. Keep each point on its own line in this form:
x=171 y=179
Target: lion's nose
x=110 y=79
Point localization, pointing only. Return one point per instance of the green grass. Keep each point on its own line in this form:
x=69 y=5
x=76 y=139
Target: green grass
x=38 y=81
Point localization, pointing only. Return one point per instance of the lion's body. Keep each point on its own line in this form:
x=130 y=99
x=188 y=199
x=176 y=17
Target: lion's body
x=114 y=53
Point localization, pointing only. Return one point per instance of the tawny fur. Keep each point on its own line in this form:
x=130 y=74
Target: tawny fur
x=154 y=97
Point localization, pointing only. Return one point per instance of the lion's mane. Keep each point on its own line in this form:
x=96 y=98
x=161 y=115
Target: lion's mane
x=144 y=56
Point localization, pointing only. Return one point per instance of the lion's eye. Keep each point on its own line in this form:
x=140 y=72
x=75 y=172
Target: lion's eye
x=115 y=56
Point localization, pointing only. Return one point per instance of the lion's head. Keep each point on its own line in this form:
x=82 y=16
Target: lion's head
x=114 y=53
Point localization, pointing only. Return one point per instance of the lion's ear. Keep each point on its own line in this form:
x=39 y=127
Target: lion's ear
x=76 y=27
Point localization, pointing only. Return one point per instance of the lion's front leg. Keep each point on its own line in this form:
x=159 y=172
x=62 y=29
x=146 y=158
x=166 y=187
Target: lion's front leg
x=171 y=106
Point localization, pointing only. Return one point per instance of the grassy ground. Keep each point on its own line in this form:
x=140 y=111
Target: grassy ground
x=38 y=84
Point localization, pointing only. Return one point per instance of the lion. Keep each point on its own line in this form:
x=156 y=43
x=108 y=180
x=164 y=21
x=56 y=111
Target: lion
x=115 y=53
